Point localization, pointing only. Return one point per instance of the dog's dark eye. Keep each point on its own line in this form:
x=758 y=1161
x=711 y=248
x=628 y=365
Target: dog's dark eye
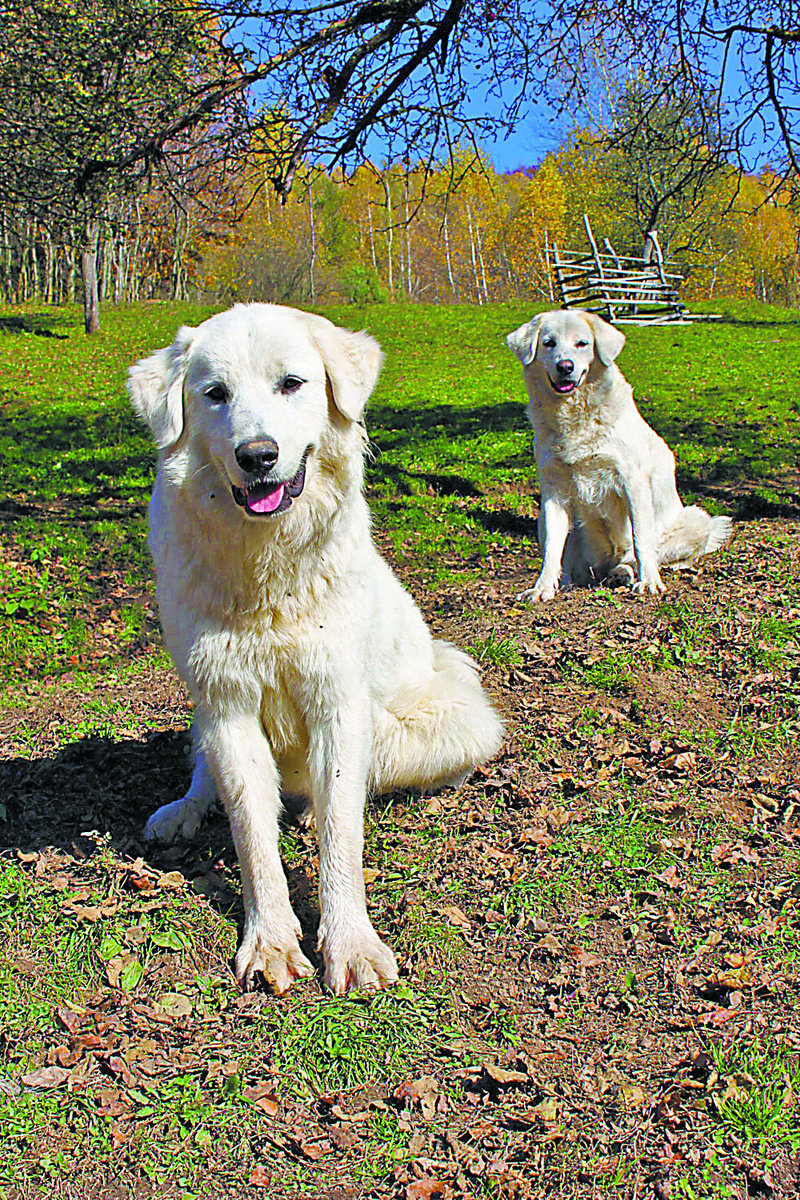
x=291 y=383
x=581 y=344
x=549 y=342
x=217 y=394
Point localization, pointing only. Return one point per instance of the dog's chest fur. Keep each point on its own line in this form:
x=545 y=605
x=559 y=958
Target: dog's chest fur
x=581 y=439
x=248 y=619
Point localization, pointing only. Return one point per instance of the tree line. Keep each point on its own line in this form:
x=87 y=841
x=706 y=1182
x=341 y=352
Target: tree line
x=131 y=133
x=410 y=232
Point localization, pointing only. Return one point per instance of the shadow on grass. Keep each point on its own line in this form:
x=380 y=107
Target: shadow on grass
x=503 y=521
x=77 y=459
x=97 y=782
x=106 y=788
x=41 y=324
x=761 y=322
x=67 y=462
x=446 y=419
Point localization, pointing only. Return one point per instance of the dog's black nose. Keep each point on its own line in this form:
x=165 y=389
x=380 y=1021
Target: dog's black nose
x=258 y=455
x=565 y=367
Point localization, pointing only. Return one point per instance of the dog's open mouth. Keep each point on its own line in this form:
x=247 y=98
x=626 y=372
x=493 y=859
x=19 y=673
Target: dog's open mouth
x=265 y=498
x=565 y=386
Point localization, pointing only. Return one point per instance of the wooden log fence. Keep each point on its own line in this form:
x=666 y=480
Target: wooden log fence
x=622 y=288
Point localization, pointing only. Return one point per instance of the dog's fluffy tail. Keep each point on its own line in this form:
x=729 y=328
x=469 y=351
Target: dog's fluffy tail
x=693 y=534
x=437 y=736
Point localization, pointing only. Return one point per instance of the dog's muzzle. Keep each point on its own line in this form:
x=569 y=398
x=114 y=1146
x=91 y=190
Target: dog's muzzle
x=564 y=386
x=265 y=497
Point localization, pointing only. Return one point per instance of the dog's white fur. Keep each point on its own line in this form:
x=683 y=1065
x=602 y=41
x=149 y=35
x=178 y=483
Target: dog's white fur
x=609 y=501
x=311 y=668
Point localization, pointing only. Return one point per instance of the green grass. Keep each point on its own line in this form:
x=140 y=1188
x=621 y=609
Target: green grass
x=52 y=955
x=496 y=648
x=341 y=1044
x=756 y=1098
x=453 y=492
x=451 y=477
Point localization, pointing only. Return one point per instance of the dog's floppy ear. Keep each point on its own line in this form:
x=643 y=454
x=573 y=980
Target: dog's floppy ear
x=352 y=363
x=608 y=341
x=155 y=386
x=523 y=341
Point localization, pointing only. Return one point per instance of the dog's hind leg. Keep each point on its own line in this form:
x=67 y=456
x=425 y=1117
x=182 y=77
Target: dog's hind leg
x=435 y=736
x=183 y=818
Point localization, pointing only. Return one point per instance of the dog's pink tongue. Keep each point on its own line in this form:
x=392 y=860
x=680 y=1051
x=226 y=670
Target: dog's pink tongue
x=268 y=503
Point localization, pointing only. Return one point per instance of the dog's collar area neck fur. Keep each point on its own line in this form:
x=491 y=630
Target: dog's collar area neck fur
x=267 y=498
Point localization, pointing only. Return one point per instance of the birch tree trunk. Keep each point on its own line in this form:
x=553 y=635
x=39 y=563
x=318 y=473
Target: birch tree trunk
x=313 y=259
x=447 y=259
x=91 y=298
x=472 y=255
x=389 y=230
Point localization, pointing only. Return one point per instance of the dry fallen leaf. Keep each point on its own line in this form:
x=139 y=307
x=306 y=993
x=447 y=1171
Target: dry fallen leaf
x=174 y=1004
x=456 y=917
x=68 y=1018
x=670 y=877
x=729 y=853
x=584 y=958
x=425 y=1189
x=550 y=944
x=262 y=1095
x=45 y=1077
x=260 y=1177
x=503 y=1077
x=171 y=881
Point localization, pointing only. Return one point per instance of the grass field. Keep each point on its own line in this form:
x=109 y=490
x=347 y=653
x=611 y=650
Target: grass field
x=598 y=935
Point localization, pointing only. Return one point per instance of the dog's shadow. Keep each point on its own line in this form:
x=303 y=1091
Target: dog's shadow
x=101 y=790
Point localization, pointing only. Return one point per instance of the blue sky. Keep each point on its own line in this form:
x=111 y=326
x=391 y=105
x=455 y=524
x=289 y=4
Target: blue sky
x=535 y=136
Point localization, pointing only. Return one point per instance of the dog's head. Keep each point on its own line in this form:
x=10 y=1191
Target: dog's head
x=563 y=346
x=252 y=391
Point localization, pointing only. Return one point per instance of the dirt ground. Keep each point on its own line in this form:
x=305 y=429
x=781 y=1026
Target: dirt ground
x=615 y=902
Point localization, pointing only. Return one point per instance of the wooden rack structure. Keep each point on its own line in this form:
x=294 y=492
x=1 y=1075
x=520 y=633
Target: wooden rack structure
x=618 y=287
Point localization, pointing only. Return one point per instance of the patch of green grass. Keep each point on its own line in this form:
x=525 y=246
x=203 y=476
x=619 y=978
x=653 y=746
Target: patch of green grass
x=56 y=944
x=685 y=635
x=775 y=642
x=425 y=931
x=757 y=1099
x=341 y=1043
x=746 y=736
x=386 y=1144
x=704 y=1183
x=175 y=1126
x=613 y=672
x=497 y=649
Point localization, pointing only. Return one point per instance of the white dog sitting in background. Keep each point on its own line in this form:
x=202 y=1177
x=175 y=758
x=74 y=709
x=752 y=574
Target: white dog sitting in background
x=610 y=508
x=310 y=667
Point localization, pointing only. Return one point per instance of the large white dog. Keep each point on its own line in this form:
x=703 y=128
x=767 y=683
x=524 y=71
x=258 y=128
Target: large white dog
x=311 y=668
x=610 y=508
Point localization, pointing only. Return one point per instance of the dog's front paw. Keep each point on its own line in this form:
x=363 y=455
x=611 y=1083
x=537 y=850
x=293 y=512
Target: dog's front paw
x=622 y=575
x=181 y=818
x=276 y=955
x=356 y=958
x=542 y=591
x=649 y=585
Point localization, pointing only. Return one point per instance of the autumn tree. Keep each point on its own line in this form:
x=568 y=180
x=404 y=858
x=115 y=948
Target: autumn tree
x=98 y=97
x=666 y=149
x=92 y=103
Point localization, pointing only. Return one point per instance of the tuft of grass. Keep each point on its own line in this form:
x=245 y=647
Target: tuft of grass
x=337 y=1044
x=497 y=649
x=55 y=946
x=758 y=1088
